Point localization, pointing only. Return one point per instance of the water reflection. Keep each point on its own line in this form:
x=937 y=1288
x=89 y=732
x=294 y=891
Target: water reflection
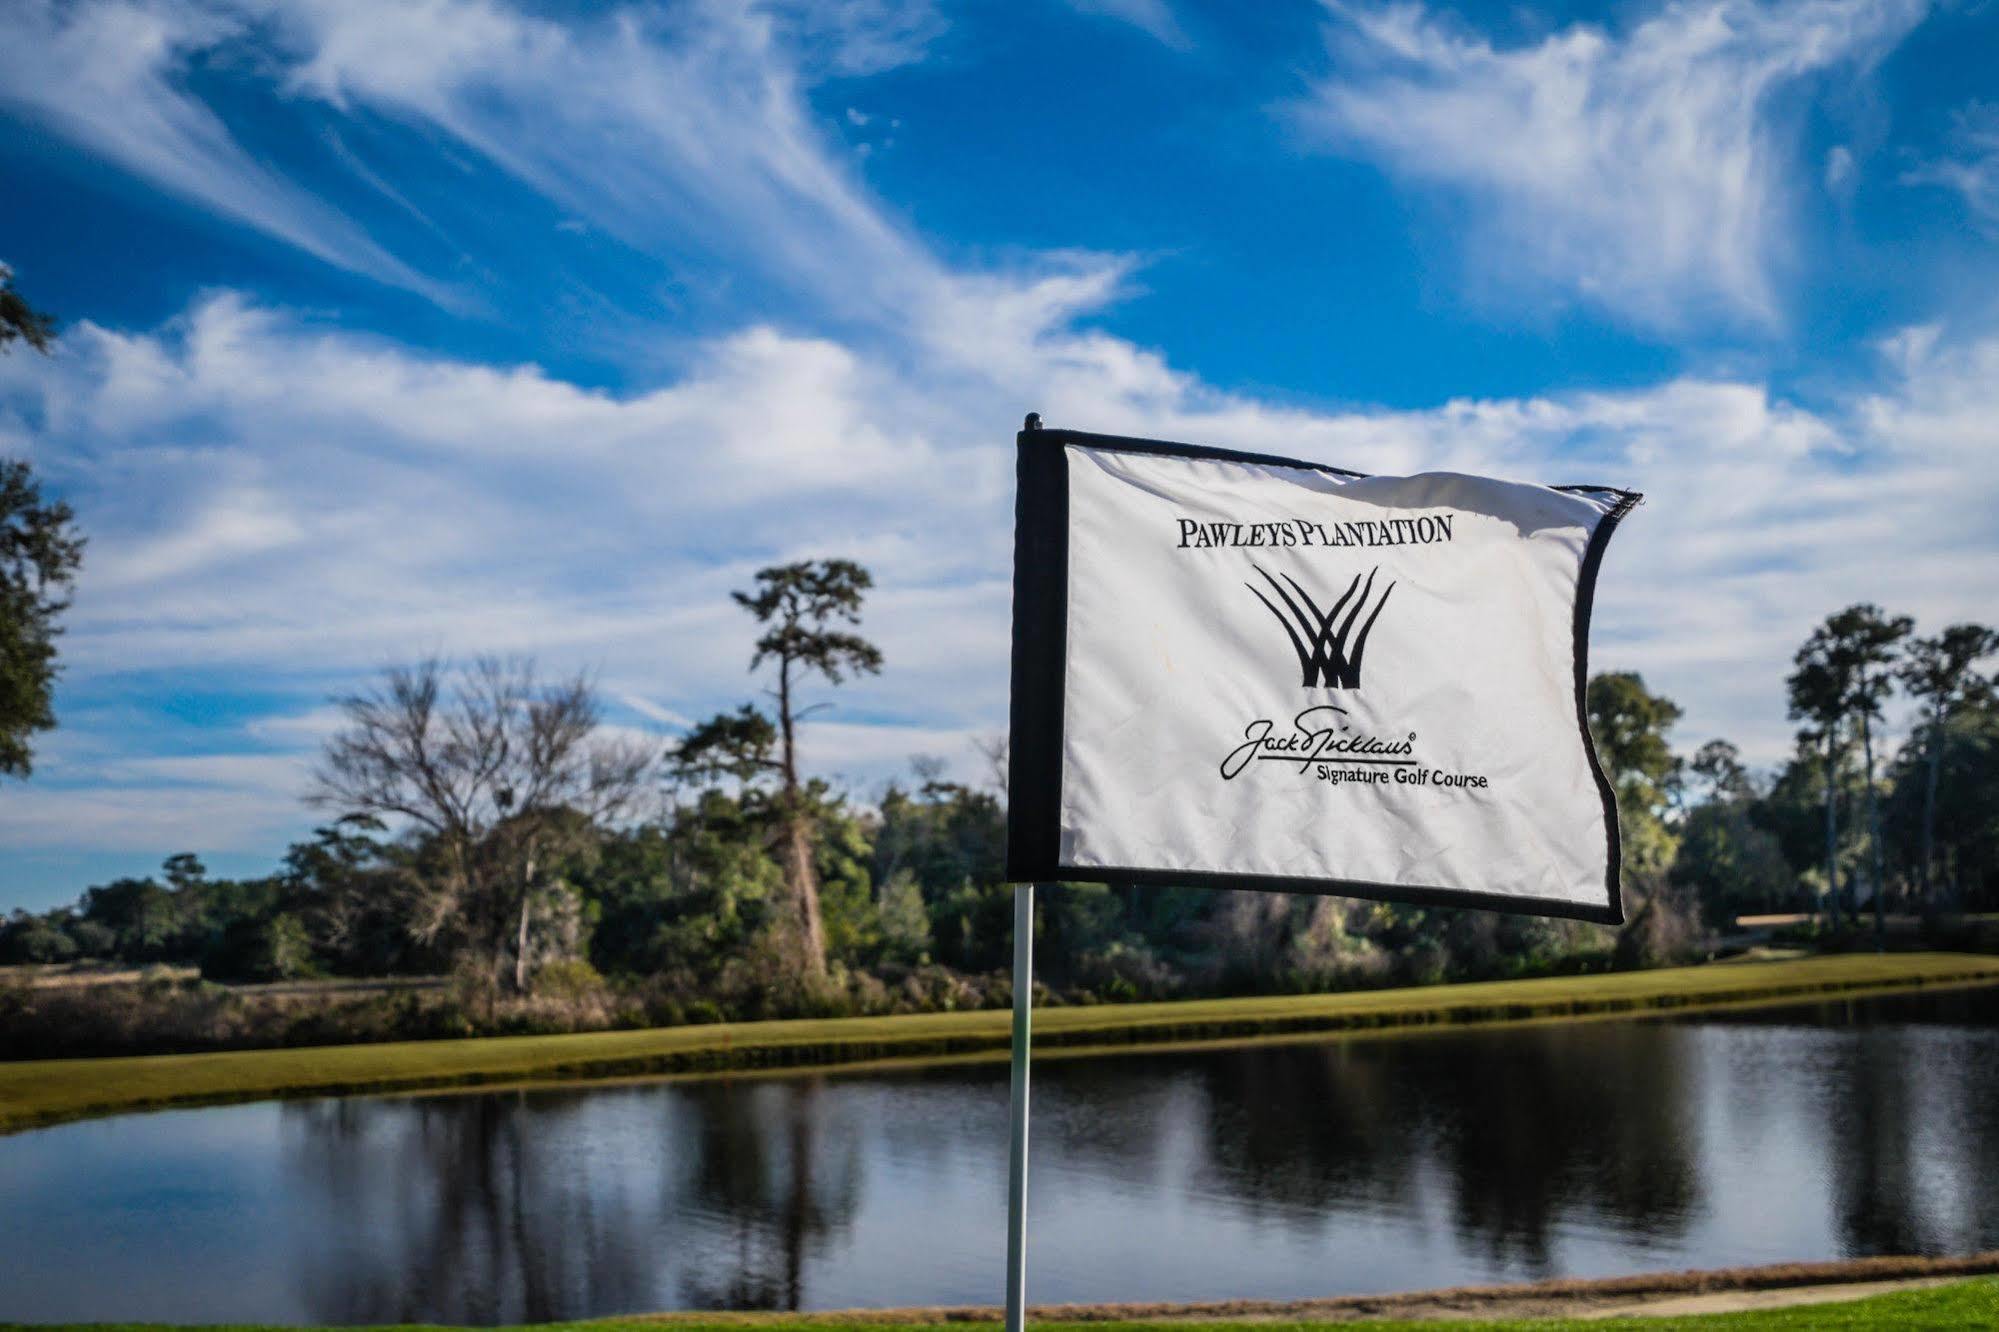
x=784 y=1181
x=524 y=1206
x=1271 y=1170
x=1526 y=1128
x=1888 y=1128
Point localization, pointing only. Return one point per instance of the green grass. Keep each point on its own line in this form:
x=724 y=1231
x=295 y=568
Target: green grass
x=48 y=1091
x=1960 y=1305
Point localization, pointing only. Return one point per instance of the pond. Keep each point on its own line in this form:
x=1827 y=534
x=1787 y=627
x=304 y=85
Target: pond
x=1277 y=1170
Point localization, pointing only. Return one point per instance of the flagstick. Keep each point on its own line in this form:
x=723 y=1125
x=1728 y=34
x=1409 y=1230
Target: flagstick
x=1016 y=1174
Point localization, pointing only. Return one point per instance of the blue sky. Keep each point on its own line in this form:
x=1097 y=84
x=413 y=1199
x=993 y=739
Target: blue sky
x=469 y=326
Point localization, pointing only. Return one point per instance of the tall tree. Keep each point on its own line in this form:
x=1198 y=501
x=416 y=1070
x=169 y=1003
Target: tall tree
x=1719 y=764
x=505 y=772
x=739 y=746
x=40 y=553
x=1869 y=642
x=1819 y=687
x=802 y=607
x=19 y=320
x=1940 y=672
x=1629 y=723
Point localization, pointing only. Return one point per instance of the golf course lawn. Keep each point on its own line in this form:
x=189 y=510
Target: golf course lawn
x=1962 y=1304
x=48 y=1091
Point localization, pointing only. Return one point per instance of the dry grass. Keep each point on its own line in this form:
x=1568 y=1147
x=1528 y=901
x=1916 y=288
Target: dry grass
x=48 y=1091
x=82 y=975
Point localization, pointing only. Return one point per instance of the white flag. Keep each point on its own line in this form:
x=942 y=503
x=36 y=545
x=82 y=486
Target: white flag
x=1254 y=672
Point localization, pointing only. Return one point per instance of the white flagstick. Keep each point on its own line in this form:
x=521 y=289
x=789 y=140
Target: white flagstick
x=1016 y=1174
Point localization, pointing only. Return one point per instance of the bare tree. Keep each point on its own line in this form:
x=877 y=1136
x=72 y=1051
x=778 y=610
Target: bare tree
x=993 y=748
x=503 y=771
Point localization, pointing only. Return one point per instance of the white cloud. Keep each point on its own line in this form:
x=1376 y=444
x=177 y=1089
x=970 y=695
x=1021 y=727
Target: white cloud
x=661 y=125
x=856 y=37
x=275 y=774
x=275 y=505
x=1155 y=18
x=233 y=526
x=111 y=77
x=426 y=505
x=1650 y=172
x=688 y=123
x=145 y=819
x=1973 y=168
x=261 y=490
x=312 y=727
x=653 y=712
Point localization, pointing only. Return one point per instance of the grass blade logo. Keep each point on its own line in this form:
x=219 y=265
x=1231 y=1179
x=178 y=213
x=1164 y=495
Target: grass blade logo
x=1328 y=656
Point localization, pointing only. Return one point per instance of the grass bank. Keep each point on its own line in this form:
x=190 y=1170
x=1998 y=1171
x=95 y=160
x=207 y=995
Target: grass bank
x=47 y=1091
x=1958 y=1305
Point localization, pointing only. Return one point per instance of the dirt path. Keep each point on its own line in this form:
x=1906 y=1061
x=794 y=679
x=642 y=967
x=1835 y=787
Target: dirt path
x=1721 y=1290
x=1738 y=1301
x=1661 y=1294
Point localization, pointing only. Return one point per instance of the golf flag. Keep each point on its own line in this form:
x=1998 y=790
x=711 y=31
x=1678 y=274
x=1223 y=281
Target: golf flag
x=1254 y=672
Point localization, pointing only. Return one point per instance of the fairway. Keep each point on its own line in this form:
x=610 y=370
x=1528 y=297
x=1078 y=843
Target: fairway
x=48 y=1091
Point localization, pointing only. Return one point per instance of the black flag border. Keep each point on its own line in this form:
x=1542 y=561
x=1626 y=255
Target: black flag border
x=1039 y=691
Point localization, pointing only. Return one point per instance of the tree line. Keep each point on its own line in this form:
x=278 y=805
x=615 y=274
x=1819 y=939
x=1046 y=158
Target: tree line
x=484 y=822
x=1846 y=820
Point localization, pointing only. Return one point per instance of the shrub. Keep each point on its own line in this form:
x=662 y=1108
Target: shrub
x=572 y=978
x=34 y=939
x=274 y=948
x=1665 y=929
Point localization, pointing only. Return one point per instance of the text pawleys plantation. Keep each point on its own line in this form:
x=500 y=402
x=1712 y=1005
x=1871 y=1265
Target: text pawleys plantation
x=1197 y=535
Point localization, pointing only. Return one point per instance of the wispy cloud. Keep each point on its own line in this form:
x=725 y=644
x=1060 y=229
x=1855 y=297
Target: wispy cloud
x=1650 y=172
x=145 y=819
x=668 y=127
x=857 y=37
x=685 y=123
x=663 y=127
x=113 y=79
x=1972 y=167
x=1155 y=18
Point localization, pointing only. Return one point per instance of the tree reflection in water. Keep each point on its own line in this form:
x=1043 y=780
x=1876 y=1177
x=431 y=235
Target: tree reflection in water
x=526 y=1206
x=1907 y=1099
x=1522 y=1128
x=1498 y=1152
x=785 y=1182
x=462 y=1209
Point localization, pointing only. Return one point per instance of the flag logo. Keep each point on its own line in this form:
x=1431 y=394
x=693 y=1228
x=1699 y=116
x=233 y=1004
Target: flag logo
x=1329 y=651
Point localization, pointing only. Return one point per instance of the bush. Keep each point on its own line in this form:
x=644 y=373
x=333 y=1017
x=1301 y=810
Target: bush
x=33 y=939
x=275 y=948
x=572 y=978
x=1664 y=930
